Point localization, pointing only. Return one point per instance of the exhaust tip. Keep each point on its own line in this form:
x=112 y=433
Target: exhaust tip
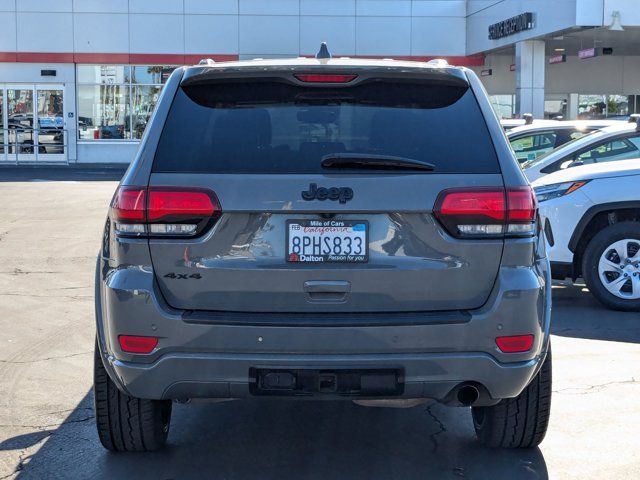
x=468 y=395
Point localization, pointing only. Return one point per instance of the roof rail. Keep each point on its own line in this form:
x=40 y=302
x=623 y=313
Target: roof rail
x=438 y=63
x=206 y=61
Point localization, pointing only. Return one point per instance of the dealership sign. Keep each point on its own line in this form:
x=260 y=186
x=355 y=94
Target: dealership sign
x=511 y=26
x=587 y=53
x=557 y=59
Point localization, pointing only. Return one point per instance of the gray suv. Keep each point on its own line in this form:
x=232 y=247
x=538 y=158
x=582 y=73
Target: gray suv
x=334 y=229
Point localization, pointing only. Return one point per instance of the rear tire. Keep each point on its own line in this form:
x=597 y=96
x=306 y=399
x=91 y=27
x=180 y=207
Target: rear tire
x=600 y=249
x=519 y=422
x=125 y=423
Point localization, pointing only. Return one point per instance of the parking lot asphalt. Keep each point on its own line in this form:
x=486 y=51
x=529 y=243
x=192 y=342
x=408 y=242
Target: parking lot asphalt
x=49 y=235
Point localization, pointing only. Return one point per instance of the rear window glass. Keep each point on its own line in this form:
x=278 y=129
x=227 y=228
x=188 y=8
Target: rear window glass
x=276 y=127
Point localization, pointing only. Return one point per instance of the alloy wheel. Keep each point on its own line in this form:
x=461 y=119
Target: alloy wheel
x=619 y=268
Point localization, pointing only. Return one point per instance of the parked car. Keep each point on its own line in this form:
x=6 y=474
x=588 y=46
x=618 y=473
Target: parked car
x=323 y=228
x=591 y=218
x=531 y=141
x=617 y=142
x=508 y=123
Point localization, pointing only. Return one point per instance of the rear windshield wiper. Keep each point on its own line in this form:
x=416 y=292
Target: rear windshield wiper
x=373 y=162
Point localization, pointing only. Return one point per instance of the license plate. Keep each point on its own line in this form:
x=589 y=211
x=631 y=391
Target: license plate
x=317 y=241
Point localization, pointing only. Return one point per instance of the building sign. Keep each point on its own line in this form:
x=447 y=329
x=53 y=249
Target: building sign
x=557 y=59
x=486 y=73
x=587 y=53
x=511 y=26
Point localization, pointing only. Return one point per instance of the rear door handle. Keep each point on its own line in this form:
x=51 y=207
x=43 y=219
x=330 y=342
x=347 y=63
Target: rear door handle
x=327 y=291
x=327 y=286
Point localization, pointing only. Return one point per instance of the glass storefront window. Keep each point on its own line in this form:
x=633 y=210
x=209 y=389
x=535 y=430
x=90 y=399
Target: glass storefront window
x=503 y=105
x=115 y=102
x=108 y=74
x=151 y=74
x=555 y=109
x=103 y=112
x=143 y=100
x=602 y=106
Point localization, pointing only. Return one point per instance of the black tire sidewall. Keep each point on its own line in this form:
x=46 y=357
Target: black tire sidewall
x=591 y=258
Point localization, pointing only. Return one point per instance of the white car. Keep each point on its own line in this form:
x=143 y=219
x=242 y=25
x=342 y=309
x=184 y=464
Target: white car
x=591 y=219
x=509 y=123
x=617 y=142
x=532 y=141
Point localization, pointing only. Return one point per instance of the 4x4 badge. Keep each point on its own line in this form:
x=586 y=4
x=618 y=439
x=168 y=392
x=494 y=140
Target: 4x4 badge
x=342 y=194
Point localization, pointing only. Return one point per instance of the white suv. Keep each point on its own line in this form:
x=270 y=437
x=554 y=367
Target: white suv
x=591 y=218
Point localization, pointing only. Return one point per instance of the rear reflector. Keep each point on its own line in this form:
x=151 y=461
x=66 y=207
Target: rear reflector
x=136 y=344
x=324 y=78
x=164 y=211
x=515 y=343
x=487 y=212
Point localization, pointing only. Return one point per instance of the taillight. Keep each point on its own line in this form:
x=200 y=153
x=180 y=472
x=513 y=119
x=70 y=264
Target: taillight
x=522 y=208
x=164 y=211
x=325 y=78
x=487 y=212
x=129 y=204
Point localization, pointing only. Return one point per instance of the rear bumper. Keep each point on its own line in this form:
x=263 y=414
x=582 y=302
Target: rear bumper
x=226 y=375
x=212 y=357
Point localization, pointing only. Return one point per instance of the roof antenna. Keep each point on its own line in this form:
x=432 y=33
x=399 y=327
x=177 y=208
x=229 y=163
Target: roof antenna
x=323 y=52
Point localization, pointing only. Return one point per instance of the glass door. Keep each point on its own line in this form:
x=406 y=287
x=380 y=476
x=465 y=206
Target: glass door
x=21 y=135
x=52 y=137
x=33 y=120
x=3 y=137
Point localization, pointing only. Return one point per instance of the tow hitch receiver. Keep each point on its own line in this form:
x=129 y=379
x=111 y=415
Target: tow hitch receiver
x=352 y=382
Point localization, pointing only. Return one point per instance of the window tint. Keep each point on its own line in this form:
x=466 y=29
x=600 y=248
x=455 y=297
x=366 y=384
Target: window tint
x=618 y=149
x=585 y=139
x=636 y=141
x=275 y=127
x=530 y=147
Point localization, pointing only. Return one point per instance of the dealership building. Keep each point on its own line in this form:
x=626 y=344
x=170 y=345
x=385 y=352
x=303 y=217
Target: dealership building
x=79 y=78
